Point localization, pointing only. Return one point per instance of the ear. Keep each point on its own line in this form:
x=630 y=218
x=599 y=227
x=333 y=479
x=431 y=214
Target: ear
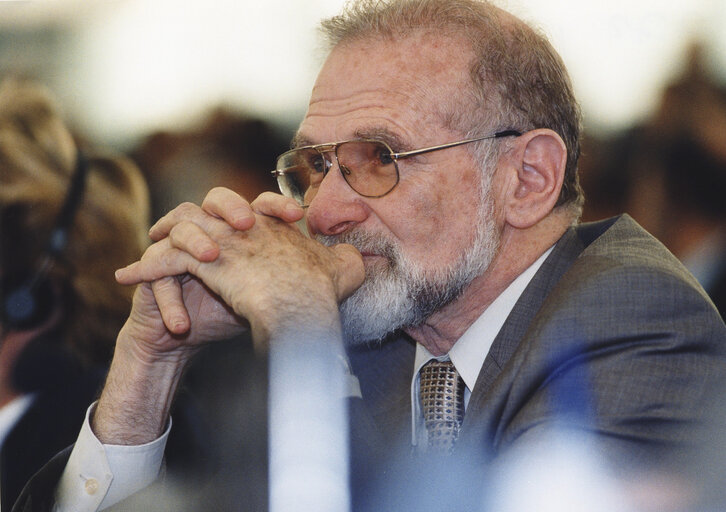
x=537 y=173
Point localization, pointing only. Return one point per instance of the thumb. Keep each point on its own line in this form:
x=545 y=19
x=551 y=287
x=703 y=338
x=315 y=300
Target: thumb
x=349 y=270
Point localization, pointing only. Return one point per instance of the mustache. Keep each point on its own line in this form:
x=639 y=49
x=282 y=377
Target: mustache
x=365 y=242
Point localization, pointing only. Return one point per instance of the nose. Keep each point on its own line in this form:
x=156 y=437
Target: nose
x=335 y=207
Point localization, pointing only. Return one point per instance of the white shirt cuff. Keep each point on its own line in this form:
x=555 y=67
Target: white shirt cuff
x=98 y=476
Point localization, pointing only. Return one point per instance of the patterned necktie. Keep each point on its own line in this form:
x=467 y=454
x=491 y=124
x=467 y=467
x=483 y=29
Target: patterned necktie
x=442 y=403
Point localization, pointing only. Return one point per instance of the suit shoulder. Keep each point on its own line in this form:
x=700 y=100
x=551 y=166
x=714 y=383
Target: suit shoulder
x=625 y=253
x=627 y=285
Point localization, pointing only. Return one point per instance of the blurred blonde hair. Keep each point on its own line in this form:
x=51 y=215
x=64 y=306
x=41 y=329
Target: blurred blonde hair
x=37 y=159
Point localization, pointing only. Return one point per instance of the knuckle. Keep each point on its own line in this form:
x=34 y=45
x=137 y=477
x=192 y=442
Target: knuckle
x=186 y=207
x=219 y=193
x=184 y=210
x=266 y=196
x=179 y=229
x=217 y=190
x=266 y=199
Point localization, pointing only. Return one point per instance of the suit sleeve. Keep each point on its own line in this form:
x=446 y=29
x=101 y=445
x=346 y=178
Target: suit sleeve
x=39 y=493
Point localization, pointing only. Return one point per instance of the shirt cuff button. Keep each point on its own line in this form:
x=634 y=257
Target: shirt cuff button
x=91 y=486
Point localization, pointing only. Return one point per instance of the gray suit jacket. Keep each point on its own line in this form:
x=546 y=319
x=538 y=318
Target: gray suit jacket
x=612 y=337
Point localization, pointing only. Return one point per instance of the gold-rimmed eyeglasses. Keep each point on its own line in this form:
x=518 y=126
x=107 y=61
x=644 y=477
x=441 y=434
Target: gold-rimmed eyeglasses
x=369 y=166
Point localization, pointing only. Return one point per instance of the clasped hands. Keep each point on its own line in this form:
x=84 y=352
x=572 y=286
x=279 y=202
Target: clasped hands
x=216 y=268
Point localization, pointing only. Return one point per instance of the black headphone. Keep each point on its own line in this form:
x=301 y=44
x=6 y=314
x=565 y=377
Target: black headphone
x=28 y=301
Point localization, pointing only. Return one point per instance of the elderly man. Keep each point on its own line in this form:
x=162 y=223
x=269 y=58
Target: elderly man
x=436 y=172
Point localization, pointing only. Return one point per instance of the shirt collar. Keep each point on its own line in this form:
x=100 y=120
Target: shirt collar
x=470 y=350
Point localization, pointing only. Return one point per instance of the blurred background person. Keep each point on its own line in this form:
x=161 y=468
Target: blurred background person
x=68 y=219
x=225 y=149
x=669 y=173
x=51 y=368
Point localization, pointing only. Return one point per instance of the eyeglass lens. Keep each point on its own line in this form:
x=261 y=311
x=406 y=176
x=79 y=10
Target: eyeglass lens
x=365 y=165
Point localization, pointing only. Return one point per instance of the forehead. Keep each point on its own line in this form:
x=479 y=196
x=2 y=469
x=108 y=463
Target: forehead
x=404 y=85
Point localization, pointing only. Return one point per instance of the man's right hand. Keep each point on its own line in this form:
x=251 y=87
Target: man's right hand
x=207 y=274
x=190 y=223
x=271 y=274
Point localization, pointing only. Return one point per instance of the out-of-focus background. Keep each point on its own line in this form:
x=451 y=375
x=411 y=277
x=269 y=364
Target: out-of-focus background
x=207 y=93
x=124 y=67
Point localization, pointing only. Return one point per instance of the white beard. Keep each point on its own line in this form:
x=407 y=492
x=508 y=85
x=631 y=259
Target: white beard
x=397 y=292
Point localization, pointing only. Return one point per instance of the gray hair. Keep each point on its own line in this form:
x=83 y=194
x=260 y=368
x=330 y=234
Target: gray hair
x=518 y=79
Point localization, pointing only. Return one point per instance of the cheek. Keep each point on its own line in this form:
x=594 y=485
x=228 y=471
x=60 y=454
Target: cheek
x=439 y=219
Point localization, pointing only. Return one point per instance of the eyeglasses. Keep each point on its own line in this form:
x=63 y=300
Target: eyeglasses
x=368 y=166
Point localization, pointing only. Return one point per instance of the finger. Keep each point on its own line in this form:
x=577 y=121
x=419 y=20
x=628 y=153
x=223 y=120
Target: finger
x=185 y=211
x=349 y=270
x=168 y=295
x=159 y=260
x=276 y=205
x=190 y=238
x=230 y=206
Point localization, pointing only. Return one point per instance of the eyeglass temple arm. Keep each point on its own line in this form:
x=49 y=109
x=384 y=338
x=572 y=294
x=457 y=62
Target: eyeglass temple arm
x=498 y=135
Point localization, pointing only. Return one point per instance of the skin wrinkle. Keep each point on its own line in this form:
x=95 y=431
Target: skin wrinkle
x=418 y=95
x=374 y=127
x=505 y=77
x=377 y=132
x=438 y=197
x=429 y=184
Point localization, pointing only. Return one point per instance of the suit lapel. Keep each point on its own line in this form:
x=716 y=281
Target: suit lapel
x=384 y=373
x=567 y=249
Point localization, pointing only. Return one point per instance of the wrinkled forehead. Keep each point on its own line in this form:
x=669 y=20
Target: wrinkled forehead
x=414 y=79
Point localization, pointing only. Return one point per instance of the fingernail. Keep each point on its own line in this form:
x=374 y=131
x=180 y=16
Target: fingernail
x=207 y=252
x=244 y=217
x=179 y=324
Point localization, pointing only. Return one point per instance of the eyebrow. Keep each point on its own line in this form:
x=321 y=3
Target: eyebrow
x=299 y=140
x=385 y=135
x=375 y=132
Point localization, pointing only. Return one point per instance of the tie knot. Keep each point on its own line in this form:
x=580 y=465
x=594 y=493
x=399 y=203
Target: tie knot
x=442 y=403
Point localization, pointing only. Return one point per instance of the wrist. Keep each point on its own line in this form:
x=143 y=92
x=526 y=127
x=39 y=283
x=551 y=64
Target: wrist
x=289 y=306
x=134 y=406
x=318 y=317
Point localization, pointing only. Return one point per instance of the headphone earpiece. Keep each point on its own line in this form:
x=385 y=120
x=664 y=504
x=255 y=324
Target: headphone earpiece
x=29 y=300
